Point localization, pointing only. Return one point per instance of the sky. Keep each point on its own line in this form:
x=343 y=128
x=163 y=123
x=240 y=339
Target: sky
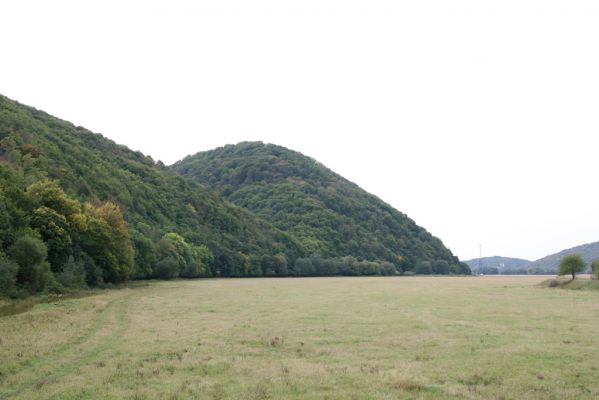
x=478 y=119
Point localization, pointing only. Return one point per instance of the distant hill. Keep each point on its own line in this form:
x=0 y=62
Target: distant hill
x=328 y=214
x=550 y=263
x=502 y=264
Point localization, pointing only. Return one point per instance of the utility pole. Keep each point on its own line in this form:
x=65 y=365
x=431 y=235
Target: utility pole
x=480 y=258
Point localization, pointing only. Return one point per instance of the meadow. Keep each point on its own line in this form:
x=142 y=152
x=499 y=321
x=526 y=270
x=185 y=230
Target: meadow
x=308 y=338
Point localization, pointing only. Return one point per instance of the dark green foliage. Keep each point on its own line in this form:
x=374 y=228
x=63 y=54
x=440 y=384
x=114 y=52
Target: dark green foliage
x=43 y=241
x=93 y=273
x=440 y=267
x=595 y=268
x=460 y=269
x=30 y=255
x=54 y=230
x=8 y=276
x=424 y=268
x=348 y=266
x=78 y=210
x=179 y=258
x=167 y=268
x=73 y=274
x=37 y=151
x=571 y=264
x=28 y=250
x=146 y=255
x=329 y=215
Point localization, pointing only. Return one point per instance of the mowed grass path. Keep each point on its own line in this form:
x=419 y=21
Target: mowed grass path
x=312 y=338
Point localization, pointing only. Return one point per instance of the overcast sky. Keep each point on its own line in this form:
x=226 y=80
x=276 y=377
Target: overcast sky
x=479 y=119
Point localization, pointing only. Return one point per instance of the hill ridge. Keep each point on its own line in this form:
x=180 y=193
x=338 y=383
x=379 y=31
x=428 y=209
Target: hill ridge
x=327 y=213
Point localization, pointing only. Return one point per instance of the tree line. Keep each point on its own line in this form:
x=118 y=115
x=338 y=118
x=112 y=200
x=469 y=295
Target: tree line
x=50 y=241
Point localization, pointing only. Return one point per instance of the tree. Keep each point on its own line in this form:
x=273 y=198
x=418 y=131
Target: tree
x=146 y=255
x=167 y=268
x=441 y=267
x=8 y=276
x=595 y=268
x=34 y=271
x=73 y=274
x=55 y=231
x=424 y=268
x=48 y=194
x=179 y=258
x=106 y=241
x=571 y=264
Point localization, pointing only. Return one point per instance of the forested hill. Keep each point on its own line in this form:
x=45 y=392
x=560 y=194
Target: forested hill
x=329 y=215
x=550 y=263
x=56 y=179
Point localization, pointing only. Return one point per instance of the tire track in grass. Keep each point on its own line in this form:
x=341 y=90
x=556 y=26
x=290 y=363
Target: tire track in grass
x=98 y=324
x=70 y=365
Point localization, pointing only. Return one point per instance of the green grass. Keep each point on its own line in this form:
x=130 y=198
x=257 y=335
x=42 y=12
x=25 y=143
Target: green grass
x=584 y=283
x=314 y=338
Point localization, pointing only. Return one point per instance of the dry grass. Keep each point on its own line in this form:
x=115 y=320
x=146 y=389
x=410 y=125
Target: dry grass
x=313 y=338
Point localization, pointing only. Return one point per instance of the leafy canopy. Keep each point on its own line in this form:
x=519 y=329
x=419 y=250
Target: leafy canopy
x=329 y=215
x=571 y=264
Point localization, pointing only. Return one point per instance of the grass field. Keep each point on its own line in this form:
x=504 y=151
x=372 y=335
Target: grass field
x=314 y=338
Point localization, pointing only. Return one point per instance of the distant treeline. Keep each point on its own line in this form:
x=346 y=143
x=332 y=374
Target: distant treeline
x=513 y=271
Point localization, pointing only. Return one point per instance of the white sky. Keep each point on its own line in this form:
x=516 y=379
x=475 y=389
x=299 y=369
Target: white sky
x=479 y=119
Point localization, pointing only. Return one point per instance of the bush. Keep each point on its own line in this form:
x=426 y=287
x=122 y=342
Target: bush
x=93 y=273
x=424 y=268
x=30 y=254
x=44 y=279
x=8 y=277
x=595 y=269
x=167 y=268
x=73 y=275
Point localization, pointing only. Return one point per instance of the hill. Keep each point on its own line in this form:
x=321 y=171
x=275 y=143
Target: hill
x=329 y=215
x=550 y=263
x=176 y=227
x=497 y=264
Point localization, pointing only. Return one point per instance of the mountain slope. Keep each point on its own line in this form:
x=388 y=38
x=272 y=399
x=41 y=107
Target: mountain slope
x=500 y=263
x=154 y=199
x=550 y=263
x=328 y=214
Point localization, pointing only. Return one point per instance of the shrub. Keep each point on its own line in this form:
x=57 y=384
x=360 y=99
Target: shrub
x=73 y=274
x=424 y=268
x=30 y=254
x=167 y=268
x=595 y=268
x=8 y=277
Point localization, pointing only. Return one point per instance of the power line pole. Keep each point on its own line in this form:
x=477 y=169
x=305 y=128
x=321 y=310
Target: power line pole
x=480 y=258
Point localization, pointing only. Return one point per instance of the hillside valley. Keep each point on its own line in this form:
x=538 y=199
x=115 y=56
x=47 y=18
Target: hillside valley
x=79 y=210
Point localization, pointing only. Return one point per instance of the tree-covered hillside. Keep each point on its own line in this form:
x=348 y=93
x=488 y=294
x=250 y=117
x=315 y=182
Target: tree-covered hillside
x=329 y=215
x=176 y=227
x=550 y=264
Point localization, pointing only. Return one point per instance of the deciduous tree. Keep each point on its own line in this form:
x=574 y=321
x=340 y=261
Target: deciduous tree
x=571 y=264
